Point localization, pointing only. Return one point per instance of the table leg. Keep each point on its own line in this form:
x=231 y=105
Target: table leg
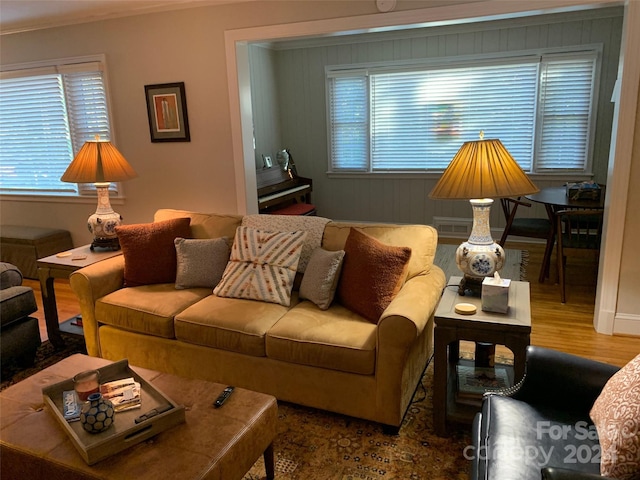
x=518 y=345
x=551 y=240
x=442 y=337
x=50 y=307
x=269 y=464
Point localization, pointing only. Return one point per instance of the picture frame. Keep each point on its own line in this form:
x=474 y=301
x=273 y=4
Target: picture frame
x=167 y=111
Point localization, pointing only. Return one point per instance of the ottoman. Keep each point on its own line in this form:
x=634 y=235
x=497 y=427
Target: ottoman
x=213 y=444
x=23 y=246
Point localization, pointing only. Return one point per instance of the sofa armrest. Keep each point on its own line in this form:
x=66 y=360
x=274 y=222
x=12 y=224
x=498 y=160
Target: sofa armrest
x=560 y=380
x=401 y=352
x=91 y=283
x=553 y=473
x=415 y=303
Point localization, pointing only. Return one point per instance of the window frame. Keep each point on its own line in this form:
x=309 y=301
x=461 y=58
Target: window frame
x=81 y=192
x=514 y=57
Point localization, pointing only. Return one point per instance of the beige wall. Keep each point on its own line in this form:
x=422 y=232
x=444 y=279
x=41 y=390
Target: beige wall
x=628 y=300
x=179 y=46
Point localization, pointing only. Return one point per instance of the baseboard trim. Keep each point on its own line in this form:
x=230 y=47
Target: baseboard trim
x=626 y=324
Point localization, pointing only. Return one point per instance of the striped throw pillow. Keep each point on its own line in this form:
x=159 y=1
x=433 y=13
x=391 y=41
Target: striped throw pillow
x=262 y=266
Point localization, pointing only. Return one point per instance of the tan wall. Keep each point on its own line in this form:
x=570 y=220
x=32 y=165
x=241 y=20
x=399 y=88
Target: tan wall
x=179 y=46
x=628 y=298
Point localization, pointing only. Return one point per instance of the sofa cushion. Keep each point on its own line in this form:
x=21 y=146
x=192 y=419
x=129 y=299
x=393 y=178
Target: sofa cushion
x=203 y=225
x=16 y=303
x=149 y=252
x=313 y=225
x=337 y=339
x=148 y=309
x=372 y=274
x=422 y=239
x=262 y=266
x=229 y=324
x=201 y=261
x=616 y=415
x=10 y=276
x=321 y=277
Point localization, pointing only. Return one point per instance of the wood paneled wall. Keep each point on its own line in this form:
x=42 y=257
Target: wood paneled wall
x=300 y=70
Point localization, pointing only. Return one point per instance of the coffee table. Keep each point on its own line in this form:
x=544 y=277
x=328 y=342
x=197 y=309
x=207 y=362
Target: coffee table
x=213 y=443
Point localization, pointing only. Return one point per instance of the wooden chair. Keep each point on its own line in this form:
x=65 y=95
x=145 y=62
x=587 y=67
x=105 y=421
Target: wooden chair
x=527 y=227
x=579 y=234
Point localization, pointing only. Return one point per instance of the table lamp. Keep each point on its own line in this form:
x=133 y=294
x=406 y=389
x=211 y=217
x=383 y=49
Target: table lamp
x=100 y=163
x=480 y=171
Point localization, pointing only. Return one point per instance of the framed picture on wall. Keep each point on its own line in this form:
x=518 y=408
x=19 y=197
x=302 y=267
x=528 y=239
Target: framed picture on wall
x=167 y=110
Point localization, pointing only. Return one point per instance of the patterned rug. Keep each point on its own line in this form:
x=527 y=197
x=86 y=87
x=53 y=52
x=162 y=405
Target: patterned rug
x=318 y=445
x=515 y=265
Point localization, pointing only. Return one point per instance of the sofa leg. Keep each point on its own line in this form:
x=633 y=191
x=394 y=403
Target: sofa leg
x=391 y=430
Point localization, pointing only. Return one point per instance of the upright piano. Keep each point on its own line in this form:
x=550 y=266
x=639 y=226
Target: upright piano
x=278 y=188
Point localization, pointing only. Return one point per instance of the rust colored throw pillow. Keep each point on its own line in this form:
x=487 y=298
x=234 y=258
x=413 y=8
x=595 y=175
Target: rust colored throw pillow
x=372 y=274
x=149 y=251
x=616 y=415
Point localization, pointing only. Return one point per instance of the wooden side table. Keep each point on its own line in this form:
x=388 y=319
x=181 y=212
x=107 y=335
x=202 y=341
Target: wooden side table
x=62 y=265
x=512 y=330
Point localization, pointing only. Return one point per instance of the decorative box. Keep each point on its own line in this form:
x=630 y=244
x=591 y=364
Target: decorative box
x=495 y=294
x=583 y=191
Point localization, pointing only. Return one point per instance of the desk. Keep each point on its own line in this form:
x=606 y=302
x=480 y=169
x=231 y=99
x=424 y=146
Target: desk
x=62 y=265
x=511 y=329
x=554 y=200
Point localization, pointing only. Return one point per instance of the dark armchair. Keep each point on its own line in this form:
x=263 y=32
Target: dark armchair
x=20 y=334
x=541 y=428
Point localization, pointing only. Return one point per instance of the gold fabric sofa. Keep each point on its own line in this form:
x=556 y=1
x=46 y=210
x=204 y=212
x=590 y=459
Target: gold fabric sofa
x=333 y=359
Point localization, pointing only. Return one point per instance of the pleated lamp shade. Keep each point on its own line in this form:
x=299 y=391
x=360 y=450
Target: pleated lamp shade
x=98 y=162
x=483 y=169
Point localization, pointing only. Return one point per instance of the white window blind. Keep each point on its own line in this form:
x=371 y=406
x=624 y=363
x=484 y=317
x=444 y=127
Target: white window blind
x=567 y=87
x=540 y=107
x=46 y=115
x=349 y=113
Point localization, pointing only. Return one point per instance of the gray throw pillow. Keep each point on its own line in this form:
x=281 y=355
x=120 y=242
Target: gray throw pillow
x=201 y=262
x=321 y=277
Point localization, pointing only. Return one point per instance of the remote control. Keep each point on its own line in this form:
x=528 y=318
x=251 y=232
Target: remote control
x=223 y=397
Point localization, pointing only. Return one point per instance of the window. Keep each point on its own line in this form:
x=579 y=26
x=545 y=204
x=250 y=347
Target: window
x=400 y=118
x=46 y=115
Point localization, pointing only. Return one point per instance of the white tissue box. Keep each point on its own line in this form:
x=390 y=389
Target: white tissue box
x=495 y=294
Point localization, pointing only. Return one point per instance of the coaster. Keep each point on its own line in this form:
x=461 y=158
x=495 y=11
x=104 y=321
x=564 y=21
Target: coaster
x=465 y=308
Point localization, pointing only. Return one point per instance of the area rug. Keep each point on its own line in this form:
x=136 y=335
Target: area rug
x=515 y=265
x=318 y=445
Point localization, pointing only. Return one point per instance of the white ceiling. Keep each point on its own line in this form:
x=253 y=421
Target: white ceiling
x=25 y=15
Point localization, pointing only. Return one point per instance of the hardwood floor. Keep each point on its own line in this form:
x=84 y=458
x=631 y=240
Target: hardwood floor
x=567 y=327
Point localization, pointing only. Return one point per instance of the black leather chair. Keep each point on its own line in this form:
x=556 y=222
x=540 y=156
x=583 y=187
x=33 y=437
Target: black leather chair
x=541 y=427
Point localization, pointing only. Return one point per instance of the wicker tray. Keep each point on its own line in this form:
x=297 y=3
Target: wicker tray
x=125 y=432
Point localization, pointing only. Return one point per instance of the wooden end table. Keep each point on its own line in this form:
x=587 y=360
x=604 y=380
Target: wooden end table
x=511 y=329
x=62 y=265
